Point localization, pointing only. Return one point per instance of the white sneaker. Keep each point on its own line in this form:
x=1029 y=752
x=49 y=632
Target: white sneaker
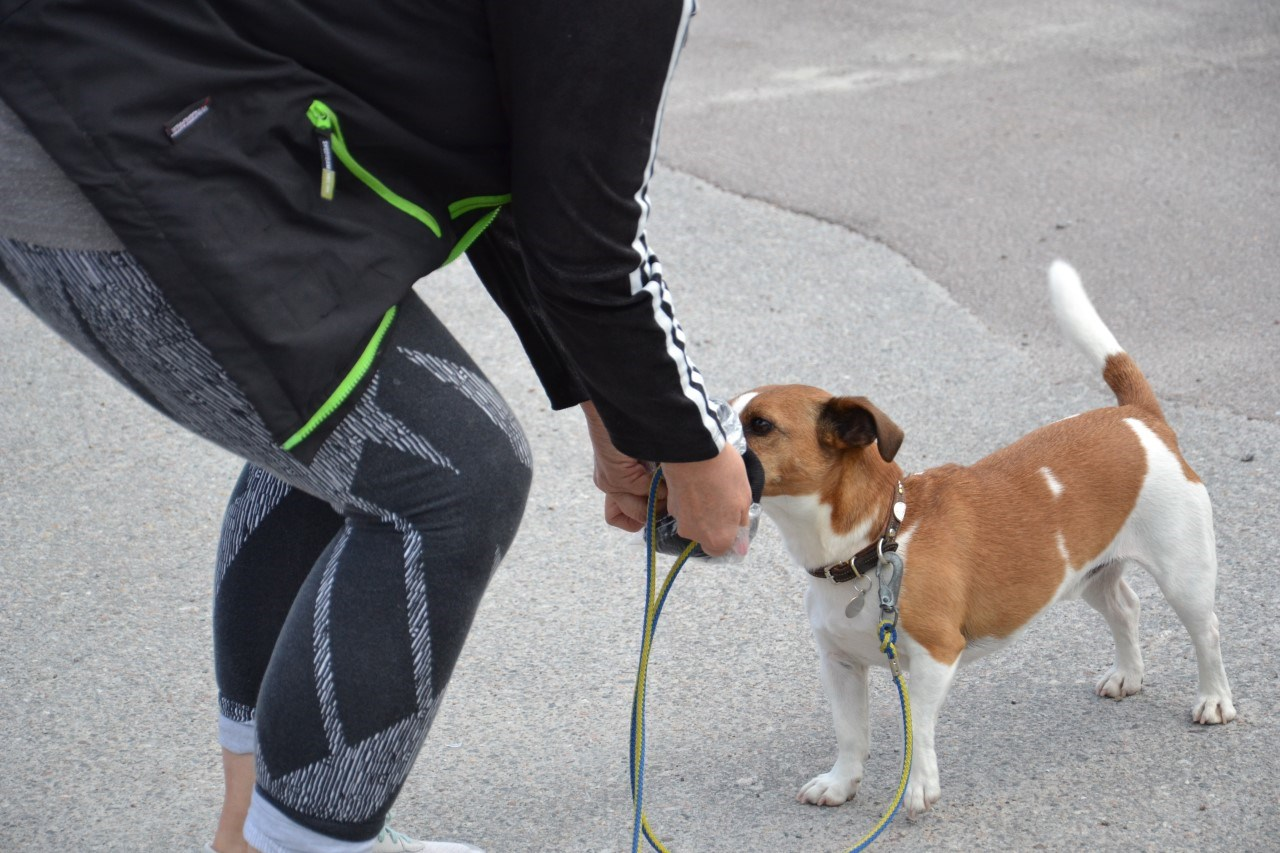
x=390 y=841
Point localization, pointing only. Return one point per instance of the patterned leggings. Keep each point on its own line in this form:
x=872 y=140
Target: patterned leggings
x=344 y=588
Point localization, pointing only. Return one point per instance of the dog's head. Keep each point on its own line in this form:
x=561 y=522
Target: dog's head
x=833 y=454
x=804 y=435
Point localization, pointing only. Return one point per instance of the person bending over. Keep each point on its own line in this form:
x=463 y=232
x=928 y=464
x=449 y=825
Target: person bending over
x=264 y=183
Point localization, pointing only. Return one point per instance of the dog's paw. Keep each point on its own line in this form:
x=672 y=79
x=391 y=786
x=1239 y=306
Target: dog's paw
x=1118 y=683
x=1212 y=710
x=829 y=789
x=922 y=795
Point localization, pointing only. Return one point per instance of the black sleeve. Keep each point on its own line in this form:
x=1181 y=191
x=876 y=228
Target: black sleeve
x=583 y=84
x=499 y=262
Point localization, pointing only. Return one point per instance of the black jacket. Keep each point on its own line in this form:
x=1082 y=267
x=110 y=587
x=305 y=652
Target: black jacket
x=206 y=132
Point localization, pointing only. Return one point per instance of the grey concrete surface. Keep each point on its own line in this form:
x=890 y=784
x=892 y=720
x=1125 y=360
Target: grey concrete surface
x=110 y=514
x=1139 y=139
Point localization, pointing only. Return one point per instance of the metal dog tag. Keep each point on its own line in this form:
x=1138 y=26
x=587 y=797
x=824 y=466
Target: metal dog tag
x=859 y=598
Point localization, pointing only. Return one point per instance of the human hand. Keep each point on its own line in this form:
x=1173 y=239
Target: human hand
x=710 y=500
x=624 y=481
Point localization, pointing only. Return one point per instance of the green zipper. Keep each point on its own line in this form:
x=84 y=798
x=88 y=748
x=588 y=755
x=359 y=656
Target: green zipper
x=466 y=205
x=325 y=121
x=348 y=386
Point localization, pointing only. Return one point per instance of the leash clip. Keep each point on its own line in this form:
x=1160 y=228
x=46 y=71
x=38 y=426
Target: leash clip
x=890 y=564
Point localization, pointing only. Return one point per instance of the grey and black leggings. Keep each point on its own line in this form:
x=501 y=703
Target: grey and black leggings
x=345 y=587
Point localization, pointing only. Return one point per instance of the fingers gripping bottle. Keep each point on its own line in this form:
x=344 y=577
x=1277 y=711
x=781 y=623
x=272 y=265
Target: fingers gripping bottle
x=666 y=538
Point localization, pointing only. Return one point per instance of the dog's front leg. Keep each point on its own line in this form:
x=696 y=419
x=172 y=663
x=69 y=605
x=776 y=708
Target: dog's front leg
x=928 y=684
x=845 y=682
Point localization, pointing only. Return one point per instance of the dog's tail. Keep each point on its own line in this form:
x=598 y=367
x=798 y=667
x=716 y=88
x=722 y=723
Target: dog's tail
x=1081 y=323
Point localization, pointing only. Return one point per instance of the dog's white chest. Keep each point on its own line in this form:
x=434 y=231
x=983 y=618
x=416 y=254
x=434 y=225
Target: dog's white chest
x=853 y=636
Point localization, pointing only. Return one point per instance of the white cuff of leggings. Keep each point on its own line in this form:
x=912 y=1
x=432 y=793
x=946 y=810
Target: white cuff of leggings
x=235 y=736
x=269 y=830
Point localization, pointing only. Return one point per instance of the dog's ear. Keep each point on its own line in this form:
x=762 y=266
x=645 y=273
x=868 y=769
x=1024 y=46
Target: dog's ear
x=855 y=422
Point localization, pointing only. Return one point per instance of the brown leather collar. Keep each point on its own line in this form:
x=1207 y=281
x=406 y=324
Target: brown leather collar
x=857 y=565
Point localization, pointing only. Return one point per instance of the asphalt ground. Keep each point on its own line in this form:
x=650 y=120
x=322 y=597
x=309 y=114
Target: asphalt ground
x=107 y=699
x=1141 y=140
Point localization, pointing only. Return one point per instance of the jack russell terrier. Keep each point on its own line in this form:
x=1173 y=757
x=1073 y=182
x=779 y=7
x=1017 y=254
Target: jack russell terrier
x=987 y=547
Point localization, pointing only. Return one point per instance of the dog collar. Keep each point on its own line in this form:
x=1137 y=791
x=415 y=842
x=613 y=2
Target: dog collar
x=869 y=557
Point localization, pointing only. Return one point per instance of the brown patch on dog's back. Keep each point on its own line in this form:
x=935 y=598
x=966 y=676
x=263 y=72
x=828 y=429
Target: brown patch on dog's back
x=988 y=534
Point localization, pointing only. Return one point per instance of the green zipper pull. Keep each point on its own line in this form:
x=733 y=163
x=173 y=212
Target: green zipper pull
x=324 y=131
x=328 y=177
x=325 y=121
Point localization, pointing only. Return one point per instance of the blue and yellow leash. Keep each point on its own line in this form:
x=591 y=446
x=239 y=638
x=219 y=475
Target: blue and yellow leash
x=655 y=597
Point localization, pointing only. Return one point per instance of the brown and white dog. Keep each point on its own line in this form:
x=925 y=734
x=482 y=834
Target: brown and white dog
x=1054 y=516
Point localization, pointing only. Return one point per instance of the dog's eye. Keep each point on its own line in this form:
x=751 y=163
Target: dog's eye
x=760 y=426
